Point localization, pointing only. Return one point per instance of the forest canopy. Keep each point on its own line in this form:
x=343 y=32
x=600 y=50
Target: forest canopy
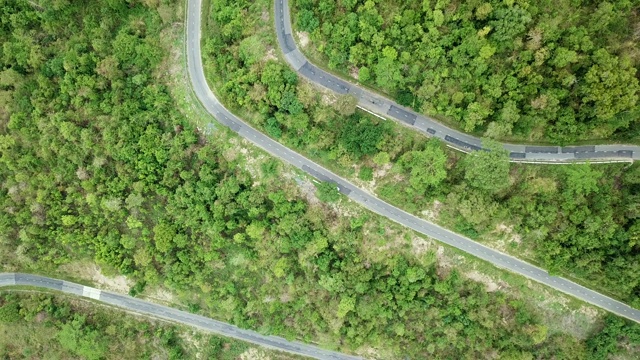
x=99 y=164
x=572 y=219
x=532 y=69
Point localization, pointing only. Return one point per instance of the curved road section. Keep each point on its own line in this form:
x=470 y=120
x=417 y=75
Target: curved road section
x=377 y=104
x=499 y=259
x=171 y=314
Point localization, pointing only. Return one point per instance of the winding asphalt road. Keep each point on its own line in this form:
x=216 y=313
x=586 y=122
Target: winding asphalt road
x=171 y=314
x=380 y=105
x=499 y=259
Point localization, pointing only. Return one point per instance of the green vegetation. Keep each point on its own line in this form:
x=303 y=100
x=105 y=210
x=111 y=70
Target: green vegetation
x=34 y=325
x=328 y=192
x=531 y=70
x=98 y=163
x=573 y=220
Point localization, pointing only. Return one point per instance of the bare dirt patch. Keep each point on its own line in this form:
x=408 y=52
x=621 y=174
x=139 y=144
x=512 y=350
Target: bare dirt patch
x=254 y=354
x=327 y=98
x=93 y=273
x=420 y=246
x=303 y=38
x=490 y=285
x=252 y=160
x=382 y=171
x=308 y=190
x=270 y=55
x=509 y=232
x=161 y=295
x=433 y=213
x=231 y=153
x=354 y=72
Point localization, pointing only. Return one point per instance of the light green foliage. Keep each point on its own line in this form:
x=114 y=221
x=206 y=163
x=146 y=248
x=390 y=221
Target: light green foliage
x=488 y=170
x=426 y=167
x=55 y=327
x=252 y=50
x=610 y=87
x=347 y=303
x=345 y=105
x=328 y=192
x=563 y=230
x=381 y=158
x=127 y=165
x=81 y=340
x=582 y=179
x=366 y=173
x=364 y=74
x=571 y=81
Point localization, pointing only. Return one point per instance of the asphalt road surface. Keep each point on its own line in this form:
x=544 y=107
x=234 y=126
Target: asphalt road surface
x=171 y=314
x=389 y=109
x=499 y=259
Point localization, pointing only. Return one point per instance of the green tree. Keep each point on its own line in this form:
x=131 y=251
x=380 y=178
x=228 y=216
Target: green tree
x=582 y=179
x=328 y=191
x=10 y=312
x=361 y=136
x=388 y=75
x=427 y=168
x=364 y=74
x=365 y=173
x=346 y=104
x=610 y=86
x=488 y=170
x=76 y=337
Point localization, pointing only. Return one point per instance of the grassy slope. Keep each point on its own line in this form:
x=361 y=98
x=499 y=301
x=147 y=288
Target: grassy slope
x=46 y=317
x=253 y=159
x=562 y=314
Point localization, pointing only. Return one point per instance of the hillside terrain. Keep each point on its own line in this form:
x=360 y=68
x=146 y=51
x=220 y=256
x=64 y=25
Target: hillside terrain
x=534 y=70
x=100 y=164
x=581 y=221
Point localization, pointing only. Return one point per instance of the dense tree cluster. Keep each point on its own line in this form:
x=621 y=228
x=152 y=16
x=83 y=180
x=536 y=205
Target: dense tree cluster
x=559 y=70
x=575 y=220
x=98 y=162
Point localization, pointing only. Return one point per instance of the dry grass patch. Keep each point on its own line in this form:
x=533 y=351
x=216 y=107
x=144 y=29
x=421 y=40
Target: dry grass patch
x=92 y=272
x=303 y=38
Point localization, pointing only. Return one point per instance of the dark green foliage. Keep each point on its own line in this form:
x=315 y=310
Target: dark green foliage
x=10 y=312
x=360 y=135
x=426 y=167
x=488 y=170
x=570 y=67
x=97 y=162
x=221 y=349
x=366 y=173
x=273 y=128
x=328 y=192
x=606 y=343
x=137 y=288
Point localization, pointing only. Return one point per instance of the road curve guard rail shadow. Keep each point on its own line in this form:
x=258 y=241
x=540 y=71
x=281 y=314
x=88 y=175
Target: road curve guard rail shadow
x=386 y=108
x=138 y=306
x=367 y=200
